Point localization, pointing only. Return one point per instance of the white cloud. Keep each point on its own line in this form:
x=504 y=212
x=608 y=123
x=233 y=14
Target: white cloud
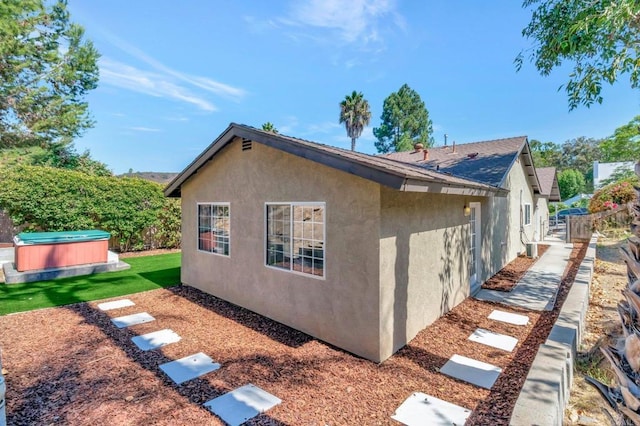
x=355 y=21
x=154 y=84
x=326 y=127
x=161 y=80
x=205 y=83
x=144 y=129
x=289 y=126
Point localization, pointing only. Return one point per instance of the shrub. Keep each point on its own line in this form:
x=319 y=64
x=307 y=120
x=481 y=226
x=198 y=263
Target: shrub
x=50 y=199
x=170 y=224
x=613 y=195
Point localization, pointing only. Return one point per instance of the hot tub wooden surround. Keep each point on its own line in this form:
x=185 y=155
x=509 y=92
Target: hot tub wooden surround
x=51 y=250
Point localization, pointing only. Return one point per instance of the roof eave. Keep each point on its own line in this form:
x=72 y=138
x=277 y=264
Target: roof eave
x=414 y=185
x=529 y=168
x=397 y=181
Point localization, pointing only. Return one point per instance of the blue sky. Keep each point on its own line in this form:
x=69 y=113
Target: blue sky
x=175 y=74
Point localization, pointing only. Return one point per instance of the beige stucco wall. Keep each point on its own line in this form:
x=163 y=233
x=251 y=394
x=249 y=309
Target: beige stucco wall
x=395 y=261
x=542 y=217
x=424 y=262
x=506 y=234
x=501 y=220
x=342 y=309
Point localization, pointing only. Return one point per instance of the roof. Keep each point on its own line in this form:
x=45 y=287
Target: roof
x=394 y=174
x=485 y=161
x=548 y=182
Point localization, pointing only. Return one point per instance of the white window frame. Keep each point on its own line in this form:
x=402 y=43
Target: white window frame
x=526 y=218
x=212 y=204
x=292 y=204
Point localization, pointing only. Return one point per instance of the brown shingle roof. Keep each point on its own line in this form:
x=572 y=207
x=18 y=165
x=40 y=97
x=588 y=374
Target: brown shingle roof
x=486 y=161
x=395 y=174
x=548 y=183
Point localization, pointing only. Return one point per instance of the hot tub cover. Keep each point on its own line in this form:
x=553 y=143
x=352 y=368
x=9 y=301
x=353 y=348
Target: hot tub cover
x=60 y=237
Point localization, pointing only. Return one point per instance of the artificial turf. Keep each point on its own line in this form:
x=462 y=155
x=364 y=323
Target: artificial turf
x=146 y=273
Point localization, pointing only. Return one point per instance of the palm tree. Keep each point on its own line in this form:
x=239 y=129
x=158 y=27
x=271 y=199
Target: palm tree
x=269 y=127
x=355 y=114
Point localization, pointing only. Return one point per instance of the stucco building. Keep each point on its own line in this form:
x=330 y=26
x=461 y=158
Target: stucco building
x=357 y=250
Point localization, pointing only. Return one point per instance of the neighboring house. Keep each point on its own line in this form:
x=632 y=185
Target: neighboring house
x=360 y=251
x=602 y=171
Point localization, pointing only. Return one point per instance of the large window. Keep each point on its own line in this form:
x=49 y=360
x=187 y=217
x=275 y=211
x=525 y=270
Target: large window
x=213 y=228
x=295 y=237
x=527 y=214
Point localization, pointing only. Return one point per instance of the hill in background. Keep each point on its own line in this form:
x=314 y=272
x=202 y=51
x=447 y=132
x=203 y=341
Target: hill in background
x=159 y=177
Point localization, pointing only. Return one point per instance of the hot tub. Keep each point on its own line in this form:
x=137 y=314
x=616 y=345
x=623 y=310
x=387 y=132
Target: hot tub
x=47 y=250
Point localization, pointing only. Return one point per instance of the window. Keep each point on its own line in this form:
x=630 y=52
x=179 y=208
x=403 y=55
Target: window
x=527 y=214
x=213 y=228
x=295 y=237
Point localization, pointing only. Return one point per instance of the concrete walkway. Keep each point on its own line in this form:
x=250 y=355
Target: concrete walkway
x=6 y=255
x=538 y=288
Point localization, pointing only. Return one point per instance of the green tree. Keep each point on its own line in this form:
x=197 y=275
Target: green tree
x=355 y=114
x=269 y=127
x=579 y=154
x=624 y=144
x=600 y=38
x=571 y=182
x=66 y=157
x=545 y=154
x=405 y=122
x=46 y=69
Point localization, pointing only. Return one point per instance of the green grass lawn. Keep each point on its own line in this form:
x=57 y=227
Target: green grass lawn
x=146 y=273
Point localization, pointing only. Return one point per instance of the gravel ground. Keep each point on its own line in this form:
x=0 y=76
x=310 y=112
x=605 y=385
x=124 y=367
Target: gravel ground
x=70 y=365
x=602 y=327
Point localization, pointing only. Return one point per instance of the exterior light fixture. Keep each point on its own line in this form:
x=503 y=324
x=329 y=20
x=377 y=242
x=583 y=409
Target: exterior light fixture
x=467 y=210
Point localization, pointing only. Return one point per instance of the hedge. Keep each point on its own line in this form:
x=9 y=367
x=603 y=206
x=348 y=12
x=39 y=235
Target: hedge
x=50 y=199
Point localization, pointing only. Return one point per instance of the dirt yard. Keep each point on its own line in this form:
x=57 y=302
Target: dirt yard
x=603 y=326
x=70 y=365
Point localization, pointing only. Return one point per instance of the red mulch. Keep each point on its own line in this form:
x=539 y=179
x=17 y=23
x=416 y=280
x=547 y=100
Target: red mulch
x=70 y=365
x=507 y=277
x=497 y=408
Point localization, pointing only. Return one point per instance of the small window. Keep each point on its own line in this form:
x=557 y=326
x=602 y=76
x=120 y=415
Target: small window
x=527 y=214
x=295 y=237
x=213 y=228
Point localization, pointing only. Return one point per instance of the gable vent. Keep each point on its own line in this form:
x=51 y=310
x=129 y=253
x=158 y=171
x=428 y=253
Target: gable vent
x=246 y=144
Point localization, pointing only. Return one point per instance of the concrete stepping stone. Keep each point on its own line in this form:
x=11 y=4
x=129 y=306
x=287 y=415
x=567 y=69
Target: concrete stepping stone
x=116 y=304
x=509 y=318
x=469 y=370
x=493 y=339
x=422 y=409
x=189 y=367
x=155 y=340
x=242 y=404
x=134 y=319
